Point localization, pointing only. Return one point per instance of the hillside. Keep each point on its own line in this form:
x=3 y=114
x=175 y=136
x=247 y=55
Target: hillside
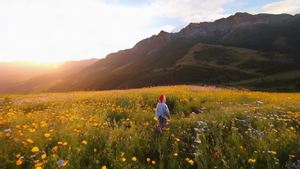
x=248 y=47
x=242 y=50
x=209 y=127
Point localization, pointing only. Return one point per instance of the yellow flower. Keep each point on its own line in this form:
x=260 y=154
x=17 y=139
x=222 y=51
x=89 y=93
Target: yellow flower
x=153 y=162
x=18 y=155
x=191 y=162
x=65 y=143
x=47 y=135
x=148 y=160
x=54 y=149
x=35 y=149
x=133 y=158
x=60 y=143
x=38 y=167
x=273 y=152
x=251 y=161
x=242 y=148
x=104 y=167
x=175 y=154
x=177 y=139
x=19 y=162
x=43 y=156
x=123 y=159
x=43 y=124
x=32 y=130
x=29 y=141
x=84 y=142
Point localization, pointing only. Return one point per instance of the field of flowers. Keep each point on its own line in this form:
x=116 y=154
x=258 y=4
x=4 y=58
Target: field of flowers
x=209 y=128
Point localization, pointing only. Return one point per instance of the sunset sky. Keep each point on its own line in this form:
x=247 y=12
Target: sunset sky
x=59 y=30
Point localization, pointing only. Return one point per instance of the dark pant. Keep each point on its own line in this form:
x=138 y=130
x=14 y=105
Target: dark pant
x=162 y=123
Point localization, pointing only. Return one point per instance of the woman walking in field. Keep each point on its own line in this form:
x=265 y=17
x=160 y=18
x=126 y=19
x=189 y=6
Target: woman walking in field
x=162 y=113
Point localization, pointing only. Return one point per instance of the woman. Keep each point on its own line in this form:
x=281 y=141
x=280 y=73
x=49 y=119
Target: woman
x=162 y=113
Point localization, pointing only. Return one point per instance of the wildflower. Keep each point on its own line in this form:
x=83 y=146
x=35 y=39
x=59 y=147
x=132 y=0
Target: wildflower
x=177 y=139
x=104 y=167
x=54 y=149
x=216 y=154
x=134 y=158
x=32 y=130
x=47 y=135
x=175 y=154
x=39 y=167
x=62 y=163
x=191 y=162
x=43 y=156
x=29 y=141
x=19 y=162
x=153 y=162
x=18 y=155
x=198 y=141
x=292 y=157
x=43 y=124
x=123 y=159
x=65 y=143
x=35 y=149
x=251 y=160
x=7 y=130
x=273 y=152
x=242 y=148
x=84 y=142
x=148 y=160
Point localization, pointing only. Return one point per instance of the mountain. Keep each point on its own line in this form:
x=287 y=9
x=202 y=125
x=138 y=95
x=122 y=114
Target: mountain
x=258 y=52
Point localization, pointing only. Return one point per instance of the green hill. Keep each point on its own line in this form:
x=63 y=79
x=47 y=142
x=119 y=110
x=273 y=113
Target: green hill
x=242 y=50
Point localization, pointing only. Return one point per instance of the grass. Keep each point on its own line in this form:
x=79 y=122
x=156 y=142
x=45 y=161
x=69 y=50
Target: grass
x=281 y=81
x=210 y=128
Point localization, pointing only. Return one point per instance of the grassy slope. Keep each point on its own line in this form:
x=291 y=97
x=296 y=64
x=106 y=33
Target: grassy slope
x=261 y=70
x=92 y=129
x=281 y=81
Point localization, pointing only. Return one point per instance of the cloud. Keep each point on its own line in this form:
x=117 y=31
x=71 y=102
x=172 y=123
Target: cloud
x=52 y=30
x=191 y=10
x=283 y=6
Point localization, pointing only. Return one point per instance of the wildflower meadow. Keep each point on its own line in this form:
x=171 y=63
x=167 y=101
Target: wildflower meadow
x=210 y=128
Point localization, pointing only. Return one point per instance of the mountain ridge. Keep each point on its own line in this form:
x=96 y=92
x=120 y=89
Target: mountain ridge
x=237 y=48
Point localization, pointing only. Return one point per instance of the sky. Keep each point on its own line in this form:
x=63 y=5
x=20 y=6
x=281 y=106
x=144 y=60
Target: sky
x=60 y=30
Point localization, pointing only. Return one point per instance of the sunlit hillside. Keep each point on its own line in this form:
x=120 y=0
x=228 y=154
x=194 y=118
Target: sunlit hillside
x=209 y=128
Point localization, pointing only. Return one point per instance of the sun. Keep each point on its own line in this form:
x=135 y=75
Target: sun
x=54 y=63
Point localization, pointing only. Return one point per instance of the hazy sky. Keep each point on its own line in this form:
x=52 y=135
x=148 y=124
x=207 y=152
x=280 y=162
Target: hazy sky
x=58 y=30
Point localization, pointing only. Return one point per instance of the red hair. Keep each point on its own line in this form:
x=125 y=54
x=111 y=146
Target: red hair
x=161 y=98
